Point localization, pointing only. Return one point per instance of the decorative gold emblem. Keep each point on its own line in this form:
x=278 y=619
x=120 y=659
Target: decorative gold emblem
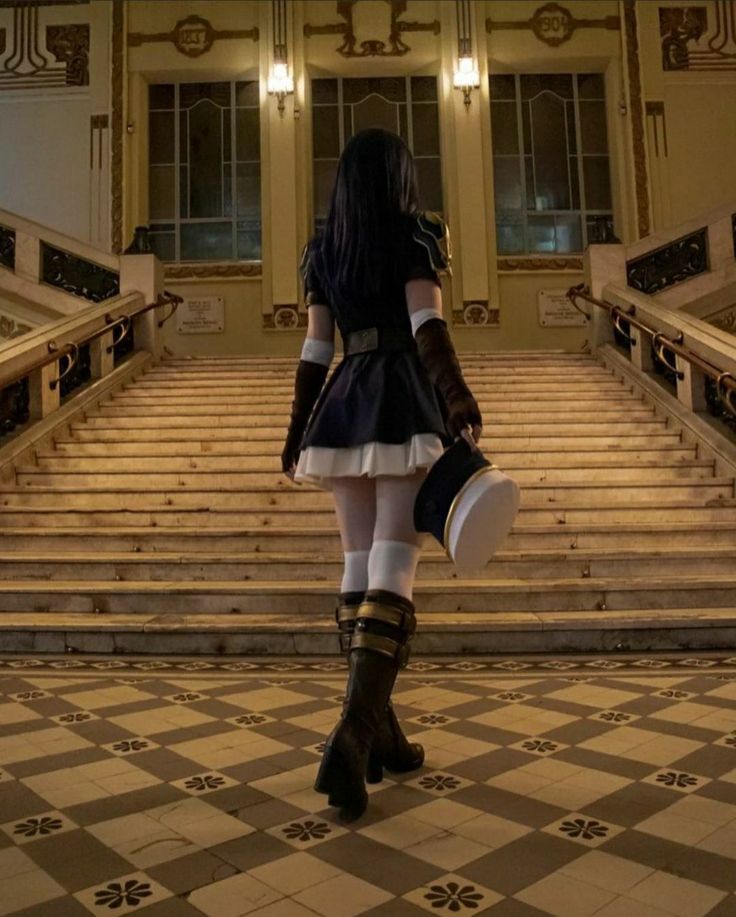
x=285 y=318
x=371 y=47
x=193 y=36
x=475 y=314
x=553 y=24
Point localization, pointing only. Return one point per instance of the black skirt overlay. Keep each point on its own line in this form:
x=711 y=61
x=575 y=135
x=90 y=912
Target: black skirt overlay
x=377 y=396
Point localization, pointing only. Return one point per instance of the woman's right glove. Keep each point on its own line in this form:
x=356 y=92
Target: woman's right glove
x=438 y=357
x=308 y=384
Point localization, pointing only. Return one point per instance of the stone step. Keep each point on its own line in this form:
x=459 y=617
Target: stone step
x=489 y=401
x=269 y=428
x=256 y=443
x=516 y=358
x=273 y=478
x=559 y=535
x=468 y=596
x=247 y=489
x=472 y=374
x=264 y=460
x=279 y=417
x=203 y=516
x=328 y=566
x=285 y=388
x=306 y=634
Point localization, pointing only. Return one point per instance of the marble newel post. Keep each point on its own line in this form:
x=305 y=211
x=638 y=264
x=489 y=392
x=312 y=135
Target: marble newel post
x=144 y=274
x=604 y=264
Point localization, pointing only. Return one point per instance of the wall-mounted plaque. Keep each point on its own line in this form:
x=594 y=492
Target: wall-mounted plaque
x=203 y=315
x=556 y=310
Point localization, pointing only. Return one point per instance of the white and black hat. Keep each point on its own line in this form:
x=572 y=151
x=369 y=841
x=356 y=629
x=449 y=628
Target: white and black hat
x=468 y=504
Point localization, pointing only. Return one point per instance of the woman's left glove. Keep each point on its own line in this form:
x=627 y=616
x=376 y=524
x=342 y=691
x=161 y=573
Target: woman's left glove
x=310 y=377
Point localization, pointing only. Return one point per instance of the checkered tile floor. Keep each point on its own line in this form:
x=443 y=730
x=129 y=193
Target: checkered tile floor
x=567 y=786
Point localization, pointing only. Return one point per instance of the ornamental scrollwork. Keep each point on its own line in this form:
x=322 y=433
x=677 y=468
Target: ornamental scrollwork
x=670 y=264
x=7 y=247
x=76 y=275
x=193 y=36
x=372 y=47
x=70 y=45
x=689 y=44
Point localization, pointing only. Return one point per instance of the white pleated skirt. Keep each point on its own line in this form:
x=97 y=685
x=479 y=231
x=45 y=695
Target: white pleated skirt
x=317 y=464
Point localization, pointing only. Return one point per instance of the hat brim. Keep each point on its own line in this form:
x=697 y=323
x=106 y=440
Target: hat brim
x=480 y=518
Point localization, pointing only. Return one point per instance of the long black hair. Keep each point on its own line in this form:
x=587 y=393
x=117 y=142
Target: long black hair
x=375 y=191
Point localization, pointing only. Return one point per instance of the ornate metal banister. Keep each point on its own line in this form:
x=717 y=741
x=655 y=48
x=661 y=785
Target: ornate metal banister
x=57 y=353
x=725 y=381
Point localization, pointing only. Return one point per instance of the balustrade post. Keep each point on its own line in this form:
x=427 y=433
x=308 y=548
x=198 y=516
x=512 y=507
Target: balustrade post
x=27 y=256
x=101 y=362
x=144 y=274
x=641 y=350
x=691 y=388
x=604 y=264
x=42 y=399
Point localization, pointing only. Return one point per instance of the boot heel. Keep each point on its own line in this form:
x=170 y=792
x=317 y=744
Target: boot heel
x=374 y=771
x=344 y=789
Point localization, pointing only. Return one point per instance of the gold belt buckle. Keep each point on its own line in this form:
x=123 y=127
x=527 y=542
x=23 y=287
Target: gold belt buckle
x=365 y=340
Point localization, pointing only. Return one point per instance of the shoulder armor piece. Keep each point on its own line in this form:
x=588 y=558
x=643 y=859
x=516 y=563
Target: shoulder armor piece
x=430 y=230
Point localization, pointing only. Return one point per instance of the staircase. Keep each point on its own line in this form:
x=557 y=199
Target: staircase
x=159 y=521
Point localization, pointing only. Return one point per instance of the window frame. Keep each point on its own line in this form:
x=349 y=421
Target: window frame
x=179 y=166
x=582 y=211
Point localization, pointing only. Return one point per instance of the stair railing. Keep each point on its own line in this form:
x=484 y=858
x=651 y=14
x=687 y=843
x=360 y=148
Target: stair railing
x=30 y=367
x=698 y=358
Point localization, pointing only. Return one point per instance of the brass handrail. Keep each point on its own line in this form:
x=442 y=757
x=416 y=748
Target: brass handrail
x=57 y=353
x=725 y=381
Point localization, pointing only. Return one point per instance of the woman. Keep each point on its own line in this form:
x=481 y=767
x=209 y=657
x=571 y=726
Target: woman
x=391 y=406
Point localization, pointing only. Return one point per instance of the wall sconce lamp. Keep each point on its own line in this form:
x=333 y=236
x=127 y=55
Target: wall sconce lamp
x=467 y=75
x=280 y=83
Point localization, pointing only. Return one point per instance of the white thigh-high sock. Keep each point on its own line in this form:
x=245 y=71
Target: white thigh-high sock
x=392 y=566
x=355 y=574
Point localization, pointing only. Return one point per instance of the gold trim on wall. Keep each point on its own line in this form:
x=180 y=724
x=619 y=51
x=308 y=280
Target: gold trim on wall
x=641 y=183
x=116 y=167
x=476 y=314
x=224 y=270
x=285 y=317
x=513 y=265
x=193 y=36
x=553 y=24
x=372 y=47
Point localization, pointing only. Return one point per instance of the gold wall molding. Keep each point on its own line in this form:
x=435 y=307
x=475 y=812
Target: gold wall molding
x=641 y=182
x=683 y=26
x=26 y=67
x=193 y=36
x=116 y=165
x=475 y=314
x=224 y=270
x=285 y=317
x=513 y=265
x=372 y=47
x=656 y=116
x=553 y=24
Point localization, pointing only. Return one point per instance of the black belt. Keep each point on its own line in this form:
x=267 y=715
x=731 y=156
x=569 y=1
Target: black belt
x=368 y=339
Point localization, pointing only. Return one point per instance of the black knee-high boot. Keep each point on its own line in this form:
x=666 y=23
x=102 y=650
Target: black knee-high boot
x=390 y=749
x=378 y=647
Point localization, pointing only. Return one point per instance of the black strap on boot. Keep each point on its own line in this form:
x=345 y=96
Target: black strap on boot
x=385 y=624
x=346 y=613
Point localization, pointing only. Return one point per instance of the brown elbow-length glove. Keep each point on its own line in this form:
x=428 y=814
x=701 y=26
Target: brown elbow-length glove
x=310 y=378
x=438 y=357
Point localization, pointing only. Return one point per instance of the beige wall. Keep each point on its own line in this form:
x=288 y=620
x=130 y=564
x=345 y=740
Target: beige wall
x=698 y=107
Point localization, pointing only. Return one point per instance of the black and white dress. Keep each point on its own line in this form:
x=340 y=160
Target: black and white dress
x=378 y=413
